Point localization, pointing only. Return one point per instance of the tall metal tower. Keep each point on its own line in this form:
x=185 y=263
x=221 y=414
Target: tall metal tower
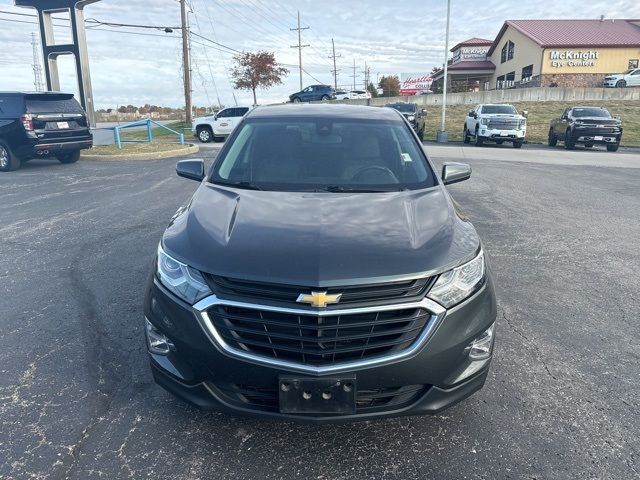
x=37 y=68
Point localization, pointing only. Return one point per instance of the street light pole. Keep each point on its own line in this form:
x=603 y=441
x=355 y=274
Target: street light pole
x=441 y=136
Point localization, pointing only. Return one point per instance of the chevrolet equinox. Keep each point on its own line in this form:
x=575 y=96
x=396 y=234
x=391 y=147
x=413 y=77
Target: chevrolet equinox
x=321 y=272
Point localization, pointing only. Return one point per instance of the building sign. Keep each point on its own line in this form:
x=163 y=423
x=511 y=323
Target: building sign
x=474 y=54
x=412 y=83
x=573 y=58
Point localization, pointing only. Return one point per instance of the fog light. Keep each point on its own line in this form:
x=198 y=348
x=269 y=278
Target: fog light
x=157 y=342
x=480 y=348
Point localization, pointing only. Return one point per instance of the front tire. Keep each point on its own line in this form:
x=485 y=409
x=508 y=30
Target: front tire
x=478 y=140
x=621 y=84
x=8 y=162
x=613 y=148
x=569 y=143
x=205 y=135
x=66 y=158
x=517 y=144
x=296 y=100
x=465 y=135
x=325 y=98
x=553 y=139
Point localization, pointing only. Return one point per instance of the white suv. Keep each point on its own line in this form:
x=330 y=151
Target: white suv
x=630 y=78
x=219 y=126
x=495 y=123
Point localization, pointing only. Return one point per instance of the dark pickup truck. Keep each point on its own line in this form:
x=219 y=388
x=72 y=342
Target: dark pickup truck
x=41 y=125
x=587 y=126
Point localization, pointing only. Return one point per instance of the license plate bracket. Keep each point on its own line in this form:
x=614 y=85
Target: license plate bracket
x=598 y=138
x=326 y=395
x=62 y=125
x=504 y=134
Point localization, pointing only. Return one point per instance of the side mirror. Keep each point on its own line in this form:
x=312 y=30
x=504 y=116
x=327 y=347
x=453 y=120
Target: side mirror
x=472 y=113
x=423 y=111
x=525 y=113
x=453 y=172
x=192 y=169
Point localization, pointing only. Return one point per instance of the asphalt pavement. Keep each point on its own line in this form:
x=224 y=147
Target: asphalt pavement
x=561 y=230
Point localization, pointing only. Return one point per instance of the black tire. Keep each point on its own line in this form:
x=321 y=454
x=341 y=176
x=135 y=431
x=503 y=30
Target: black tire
x=621 y=83
x=613 y=147
x=569 y=143
x=553 y=138
x=478 y=140
x=205 y=134
x=296 y=100
x=325 y=98
x=588 y=145
x=71 y=157
x=499 y=142
x=421 y=134
x=465 y=135
x=517 y=144
x=8 y=161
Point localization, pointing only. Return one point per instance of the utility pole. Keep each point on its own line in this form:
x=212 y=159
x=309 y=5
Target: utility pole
x=299 y=46
x=37 y=68
x=335 y=70
x=441 y=136
x=354 y=74
x=186 y=62
x=366 y=73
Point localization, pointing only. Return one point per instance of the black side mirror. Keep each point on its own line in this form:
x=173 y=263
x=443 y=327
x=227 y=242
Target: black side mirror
x=423 y=111
x=453 y=172
x=192 y=169
x=472 y=113
x=525 y=113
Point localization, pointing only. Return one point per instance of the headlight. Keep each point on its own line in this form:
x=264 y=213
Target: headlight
x=455 y=285
x=484 y=121
x=523 y=125
x=411 y=118
x=186 y=282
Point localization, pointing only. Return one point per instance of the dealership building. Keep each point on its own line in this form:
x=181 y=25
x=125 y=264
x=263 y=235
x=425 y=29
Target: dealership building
x=545 y=53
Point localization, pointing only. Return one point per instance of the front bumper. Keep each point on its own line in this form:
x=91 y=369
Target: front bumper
x=596 y=135
x=202 y=373
x=610 y=83
x=507 y=135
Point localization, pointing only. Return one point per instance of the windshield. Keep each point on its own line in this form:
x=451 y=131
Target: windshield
x=323 y=154
x=403 y=107
x=509 y=109
x=591 y=112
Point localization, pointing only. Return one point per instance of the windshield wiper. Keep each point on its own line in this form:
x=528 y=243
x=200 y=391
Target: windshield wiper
x=245 y=185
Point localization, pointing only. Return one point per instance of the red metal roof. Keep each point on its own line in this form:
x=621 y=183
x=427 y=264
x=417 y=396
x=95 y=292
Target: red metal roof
x=471 y=65
x=575 y=33
x=473 y=42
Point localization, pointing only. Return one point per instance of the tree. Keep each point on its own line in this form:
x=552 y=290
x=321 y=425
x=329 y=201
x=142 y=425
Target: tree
x=372 y=90
x=390 y=85
x=256 y=70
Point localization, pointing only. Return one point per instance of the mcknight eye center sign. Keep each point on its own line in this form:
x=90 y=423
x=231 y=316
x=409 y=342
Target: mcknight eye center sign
x=573 y=58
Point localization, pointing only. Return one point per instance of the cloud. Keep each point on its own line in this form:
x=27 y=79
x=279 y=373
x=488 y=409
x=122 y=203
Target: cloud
x=392 y=37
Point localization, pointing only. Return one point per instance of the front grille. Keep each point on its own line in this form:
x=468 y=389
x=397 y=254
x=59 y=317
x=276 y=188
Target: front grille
x=318 y=340
x=266 y=398
x=370 y=294
x=503 y=124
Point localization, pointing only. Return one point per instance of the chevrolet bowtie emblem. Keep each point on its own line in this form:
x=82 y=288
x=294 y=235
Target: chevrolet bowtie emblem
x=319 y=299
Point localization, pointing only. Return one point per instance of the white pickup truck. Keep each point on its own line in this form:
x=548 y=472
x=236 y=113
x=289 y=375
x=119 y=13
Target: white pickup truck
x=495 y=123
x=219 y=126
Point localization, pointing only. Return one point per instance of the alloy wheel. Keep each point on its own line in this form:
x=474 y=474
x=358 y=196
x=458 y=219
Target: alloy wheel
x=4 y=157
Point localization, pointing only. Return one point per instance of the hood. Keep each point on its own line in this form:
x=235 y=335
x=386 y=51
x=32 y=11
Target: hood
x=319 y=239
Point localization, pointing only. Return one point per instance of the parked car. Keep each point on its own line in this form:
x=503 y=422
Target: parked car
x=342 y=95
x=417 y=117
x=219 y=125
x=351 y=95
x=362 y=94
x=495 y=123
x=321 y=272
x=313 y=93
x=587 y=126
x=630 y=78
x=41 y=125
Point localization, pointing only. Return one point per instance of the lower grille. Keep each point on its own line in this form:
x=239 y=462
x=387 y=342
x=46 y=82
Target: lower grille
x=503 y=124
x=266 y=398
x=316 y=340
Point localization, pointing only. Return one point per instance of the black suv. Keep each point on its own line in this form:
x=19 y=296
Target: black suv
x=313 y=92
x=36 y=125
x=586 y=125
x=415 y=116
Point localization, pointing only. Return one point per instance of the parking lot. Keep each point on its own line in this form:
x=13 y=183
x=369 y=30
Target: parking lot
x=561 y=229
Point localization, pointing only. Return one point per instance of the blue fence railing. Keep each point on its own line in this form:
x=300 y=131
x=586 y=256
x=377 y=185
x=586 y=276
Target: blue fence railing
x=148 y=123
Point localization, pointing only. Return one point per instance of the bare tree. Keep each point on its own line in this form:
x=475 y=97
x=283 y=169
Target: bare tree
x=256 y=70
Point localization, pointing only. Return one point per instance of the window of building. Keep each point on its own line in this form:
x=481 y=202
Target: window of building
x=633 y=63
x=509 y=79
x=527 y=73
x=510 y=49
x=503 y=54
x=500 y=82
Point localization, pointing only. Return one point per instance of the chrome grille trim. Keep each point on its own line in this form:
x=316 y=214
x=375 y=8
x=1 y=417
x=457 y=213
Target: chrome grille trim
x=437 y=313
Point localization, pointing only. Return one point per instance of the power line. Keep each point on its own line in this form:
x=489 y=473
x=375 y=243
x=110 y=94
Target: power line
x=206 y=55
x=209 y=40
x=300 y=46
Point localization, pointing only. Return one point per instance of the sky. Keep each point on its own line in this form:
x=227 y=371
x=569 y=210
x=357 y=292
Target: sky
x=139 y=66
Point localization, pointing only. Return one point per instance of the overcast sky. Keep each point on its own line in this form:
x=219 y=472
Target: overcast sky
x=392 y=37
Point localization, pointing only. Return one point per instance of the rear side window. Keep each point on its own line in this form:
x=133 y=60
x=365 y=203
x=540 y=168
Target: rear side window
x=11 y=106
x=45 y=105
x=241 y=111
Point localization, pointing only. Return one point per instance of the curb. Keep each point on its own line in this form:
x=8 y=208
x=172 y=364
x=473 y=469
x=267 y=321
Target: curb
x=192 y=148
